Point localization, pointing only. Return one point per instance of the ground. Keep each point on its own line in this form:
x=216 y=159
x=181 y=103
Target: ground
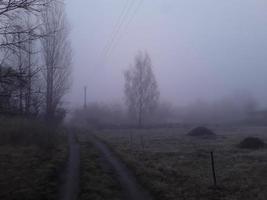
x=30 y=163
x=104 y=175
x=173 y=165
x=29 y=173
x=97 y=182
x=165 y=164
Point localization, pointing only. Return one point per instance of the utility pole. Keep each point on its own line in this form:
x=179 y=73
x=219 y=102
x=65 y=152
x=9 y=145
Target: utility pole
x=85 y=96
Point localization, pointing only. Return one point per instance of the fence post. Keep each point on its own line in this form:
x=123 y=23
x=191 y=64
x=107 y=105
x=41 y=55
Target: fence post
x=213 y=169
x=131 y=140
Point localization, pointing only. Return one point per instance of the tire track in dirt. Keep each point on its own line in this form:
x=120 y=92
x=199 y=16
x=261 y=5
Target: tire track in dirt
x=70 y=187
x=128 y=182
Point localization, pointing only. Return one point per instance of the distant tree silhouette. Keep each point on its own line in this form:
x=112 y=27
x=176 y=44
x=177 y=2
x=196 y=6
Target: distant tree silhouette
x=141 y=90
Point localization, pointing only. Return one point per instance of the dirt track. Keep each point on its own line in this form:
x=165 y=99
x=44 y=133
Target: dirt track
x=70 y=187
x=132 y=190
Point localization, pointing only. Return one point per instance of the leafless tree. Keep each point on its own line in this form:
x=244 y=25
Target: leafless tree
x=141 y=90
x=22 y=59
x=16 y=60
x=32 y=69
x=19 y=34
x=11 y=10
x=9 y=6
x=56 y=50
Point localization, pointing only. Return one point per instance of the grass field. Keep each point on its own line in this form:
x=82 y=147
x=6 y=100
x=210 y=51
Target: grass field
x=173 y=165
x=31 y=159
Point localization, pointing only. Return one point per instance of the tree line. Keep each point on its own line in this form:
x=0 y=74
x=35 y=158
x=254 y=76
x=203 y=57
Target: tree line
x=35 y=58
x=143 y=108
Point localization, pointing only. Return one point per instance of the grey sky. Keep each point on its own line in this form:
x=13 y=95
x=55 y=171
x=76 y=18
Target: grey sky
x=200 y=49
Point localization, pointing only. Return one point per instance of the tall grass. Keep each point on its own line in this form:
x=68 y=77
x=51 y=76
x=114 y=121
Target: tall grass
x=20 y=131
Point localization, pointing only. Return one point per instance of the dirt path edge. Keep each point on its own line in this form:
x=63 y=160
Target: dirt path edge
x=128 y=181
x=69 y=189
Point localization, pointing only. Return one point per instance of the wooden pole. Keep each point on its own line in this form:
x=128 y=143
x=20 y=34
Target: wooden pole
x=131 y=140
x=213 y=169
x=85 y=97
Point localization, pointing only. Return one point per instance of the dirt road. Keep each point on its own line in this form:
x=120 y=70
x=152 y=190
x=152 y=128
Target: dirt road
x=70 y=187
x=129 y=184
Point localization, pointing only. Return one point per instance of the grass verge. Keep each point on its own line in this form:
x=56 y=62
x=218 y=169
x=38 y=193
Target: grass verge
x=31 y=159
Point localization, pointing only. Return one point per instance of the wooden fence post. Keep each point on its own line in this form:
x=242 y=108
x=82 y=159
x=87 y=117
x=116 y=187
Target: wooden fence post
x=213 y=169
x=131 y=140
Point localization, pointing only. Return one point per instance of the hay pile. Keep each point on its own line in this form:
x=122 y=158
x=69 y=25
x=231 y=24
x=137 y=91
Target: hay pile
x=251 y=143
x=201 y=132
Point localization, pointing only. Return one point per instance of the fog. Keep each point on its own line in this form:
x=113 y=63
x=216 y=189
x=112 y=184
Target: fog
x=133 y=99
x=199 y=49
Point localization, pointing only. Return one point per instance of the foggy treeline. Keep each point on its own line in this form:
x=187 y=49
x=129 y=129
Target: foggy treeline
x=35 y=69
x=35 y=58
x=224 y=111
x=143 y=107
x=235 y=108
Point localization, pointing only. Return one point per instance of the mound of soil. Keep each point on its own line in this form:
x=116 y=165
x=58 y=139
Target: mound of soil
x=251 y=143
x=201 y=132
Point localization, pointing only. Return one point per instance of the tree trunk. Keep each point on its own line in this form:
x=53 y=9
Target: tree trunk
x=29 y=84
x=20 y=74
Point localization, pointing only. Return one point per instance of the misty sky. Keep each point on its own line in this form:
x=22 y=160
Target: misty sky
x=199 y=49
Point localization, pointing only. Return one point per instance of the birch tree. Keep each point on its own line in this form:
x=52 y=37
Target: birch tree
x=141 y=90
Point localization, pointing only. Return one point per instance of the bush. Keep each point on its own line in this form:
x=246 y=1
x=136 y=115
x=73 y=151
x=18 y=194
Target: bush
x=251 y=143
x=201 y=132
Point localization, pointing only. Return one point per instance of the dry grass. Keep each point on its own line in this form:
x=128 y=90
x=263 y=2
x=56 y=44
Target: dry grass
x=98 y=181
x=175 y=166
x=28 y=173
x=30 y=160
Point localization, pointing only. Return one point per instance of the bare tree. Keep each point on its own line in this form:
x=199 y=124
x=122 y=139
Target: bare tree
x=32 y=69
x=11 y=10
x=56 y=50
x=16 y=59
x=141 y=89
x=19 y=33
x=7 y=7
x=22 y=59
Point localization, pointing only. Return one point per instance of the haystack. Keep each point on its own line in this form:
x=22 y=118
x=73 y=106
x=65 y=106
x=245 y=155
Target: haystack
x=201 y=132
x=251 y=143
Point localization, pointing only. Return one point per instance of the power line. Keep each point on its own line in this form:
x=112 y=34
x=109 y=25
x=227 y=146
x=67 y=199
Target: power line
x=125 y=16
x=114 y=45
x=134 y=13
x=118 y=23
x=127 y=7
